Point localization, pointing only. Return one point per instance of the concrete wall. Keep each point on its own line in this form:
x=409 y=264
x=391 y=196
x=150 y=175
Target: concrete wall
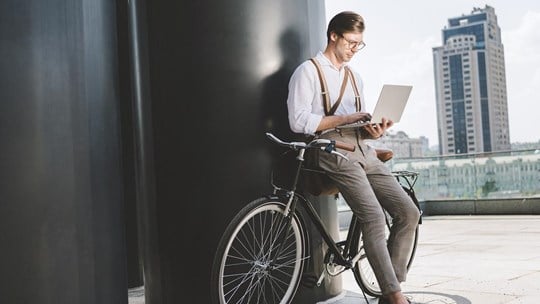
x=482 y=206
x=508 y=206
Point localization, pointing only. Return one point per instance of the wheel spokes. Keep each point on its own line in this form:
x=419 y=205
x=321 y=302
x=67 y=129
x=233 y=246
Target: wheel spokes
x=258 y=268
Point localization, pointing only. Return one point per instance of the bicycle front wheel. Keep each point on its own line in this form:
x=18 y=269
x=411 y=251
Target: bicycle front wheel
x=260 y=256
x=364 y=274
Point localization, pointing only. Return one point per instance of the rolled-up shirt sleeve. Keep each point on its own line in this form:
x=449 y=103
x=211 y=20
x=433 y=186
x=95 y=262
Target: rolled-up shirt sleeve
x=303 y=93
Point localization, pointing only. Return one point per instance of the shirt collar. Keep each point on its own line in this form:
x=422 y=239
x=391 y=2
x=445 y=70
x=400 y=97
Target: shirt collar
x=323 y=60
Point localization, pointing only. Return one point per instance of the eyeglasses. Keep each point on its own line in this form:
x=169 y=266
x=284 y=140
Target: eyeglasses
x=354 y=44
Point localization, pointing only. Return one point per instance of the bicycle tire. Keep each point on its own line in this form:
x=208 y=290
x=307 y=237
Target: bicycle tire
x=364 y=274
x=243 y=271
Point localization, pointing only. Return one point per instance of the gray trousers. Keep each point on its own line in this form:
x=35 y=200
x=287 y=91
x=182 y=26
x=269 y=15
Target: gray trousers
x=366 y=183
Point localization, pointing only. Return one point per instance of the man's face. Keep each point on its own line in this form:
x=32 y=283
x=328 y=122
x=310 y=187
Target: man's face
x=348 y=44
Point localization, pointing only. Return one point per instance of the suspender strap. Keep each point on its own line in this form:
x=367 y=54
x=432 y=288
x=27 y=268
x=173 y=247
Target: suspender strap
x=324 y=89
x=356 y=91
x=342 y=90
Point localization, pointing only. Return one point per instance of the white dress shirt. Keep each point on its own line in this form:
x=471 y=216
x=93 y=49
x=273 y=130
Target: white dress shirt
x=304 y=102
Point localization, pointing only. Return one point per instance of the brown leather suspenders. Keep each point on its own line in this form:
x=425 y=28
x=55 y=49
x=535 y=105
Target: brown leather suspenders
x=356 y=91
x=324 y=89
x=382 y=154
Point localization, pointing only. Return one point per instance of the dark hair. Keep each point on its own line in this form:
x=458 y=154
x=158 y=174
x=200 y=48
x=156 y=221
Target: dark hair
x=345 y=22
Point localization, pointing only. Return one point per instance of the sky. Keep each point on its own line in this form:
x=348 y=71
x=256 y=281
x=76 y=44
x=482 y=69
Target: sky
x=399 y=38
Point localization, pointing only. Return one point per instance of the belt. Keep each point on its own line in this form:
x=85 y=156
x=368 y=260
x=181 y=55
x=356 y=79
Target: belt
x=342 y=132
x=346 y=129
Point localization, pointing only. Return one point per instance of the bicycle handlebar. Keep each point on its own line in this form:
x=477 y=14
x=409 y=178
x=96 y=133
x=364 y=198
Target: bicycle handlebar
x=345 y=146
x=326 y=145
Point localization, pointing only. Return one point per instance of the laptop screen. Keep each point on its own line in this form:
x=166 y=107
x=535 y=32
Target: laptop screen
x=391 y=103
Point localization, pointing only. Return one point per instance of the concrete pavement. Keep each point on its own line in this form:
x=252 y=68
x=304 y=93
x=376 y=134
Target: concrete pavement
x=463 y=260
x=470 y=259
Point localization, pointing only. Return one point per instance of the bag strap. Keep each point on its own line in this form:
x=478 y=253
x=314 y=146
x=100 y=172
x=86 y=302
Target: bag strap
x=324 y=89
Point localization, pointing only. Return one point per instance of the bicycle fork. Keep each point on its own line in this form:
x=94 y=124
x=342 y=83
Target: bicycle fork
x=284 y=224
x=290 y=206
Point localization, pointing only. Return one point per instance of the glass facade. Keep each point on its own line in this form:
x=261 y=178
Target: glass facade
x=458 y=104
x=484 y=101
x=479 y=17
x=472 y=107
x=476 y=30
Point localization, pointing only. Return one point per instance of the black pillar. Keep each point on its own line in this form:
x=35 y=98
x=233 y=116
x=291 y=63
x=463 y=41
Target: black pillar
x=217 y=76
x=61 y=208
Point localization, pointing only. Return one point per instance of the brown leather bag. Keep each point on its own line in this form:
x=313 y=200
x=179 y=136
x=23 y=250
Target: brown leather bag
x=318 y=183
x=315 y=181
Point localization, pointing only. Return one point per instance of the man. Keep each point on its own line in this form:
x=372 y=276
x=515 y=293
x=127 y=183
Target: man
x=363 y=180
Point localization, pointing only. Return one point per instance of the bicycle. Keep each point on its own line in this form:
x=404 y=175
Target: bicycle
x=260 y=256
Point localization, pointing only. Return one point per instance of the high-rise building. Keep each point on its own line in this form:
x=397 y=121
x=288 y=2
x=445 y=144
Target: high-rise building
x=470 y=85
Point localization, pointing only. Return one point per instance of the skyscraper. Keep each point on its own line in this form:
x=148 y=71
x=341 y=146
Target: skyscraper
x=470 y=85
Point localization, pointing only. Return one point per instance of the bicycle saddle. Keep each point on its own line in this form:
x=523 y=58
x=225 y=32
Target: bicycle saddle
x=384 y=154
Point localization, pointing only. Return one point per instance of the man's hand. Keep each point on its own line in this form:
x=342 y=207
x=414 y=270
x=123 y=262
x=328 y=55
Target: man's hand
x=358 y=117
x=377 y=130
x=332 y=121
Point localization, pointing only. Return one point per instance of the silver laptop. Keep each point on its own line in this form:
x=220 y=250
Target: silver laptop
x=391 y=103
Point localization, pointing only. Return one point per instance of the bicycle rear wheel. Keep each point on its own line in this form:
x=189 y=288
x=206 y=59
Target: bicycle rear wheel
x=364 y=274
x=251 y=264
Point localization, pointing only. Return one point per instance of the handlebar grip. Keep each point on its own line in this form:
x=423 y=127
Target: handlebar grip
x=345 y=146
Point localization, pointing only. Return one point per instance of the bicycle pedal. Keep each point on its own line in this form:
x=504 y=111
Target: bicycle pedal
x=321 y=278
